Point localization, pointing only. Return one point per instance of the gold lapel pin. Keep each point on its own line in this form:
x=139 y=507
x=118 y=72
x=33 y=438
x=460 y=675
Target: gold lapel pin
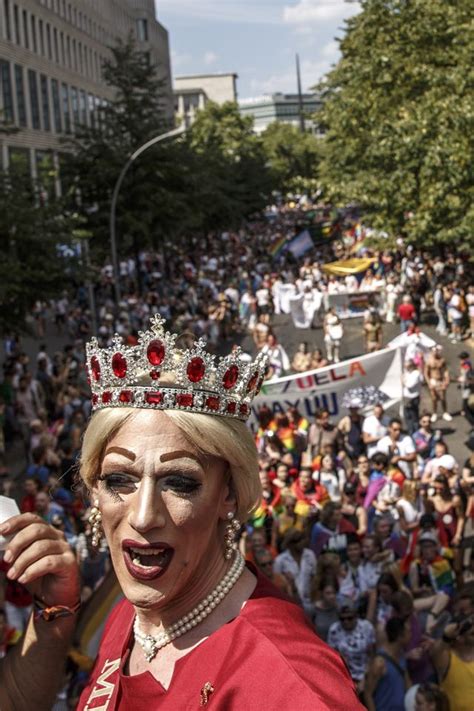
x=206 y=692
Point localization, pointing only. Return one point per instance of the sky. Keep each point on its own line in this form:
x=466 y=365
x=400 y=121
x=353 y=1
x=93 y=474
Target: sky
x=257 y=39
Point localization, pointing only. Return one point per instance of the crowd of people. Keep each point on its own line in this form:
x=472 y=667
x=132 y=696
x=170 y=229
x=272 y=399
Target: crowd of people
x=370 y=529
x=366 y=522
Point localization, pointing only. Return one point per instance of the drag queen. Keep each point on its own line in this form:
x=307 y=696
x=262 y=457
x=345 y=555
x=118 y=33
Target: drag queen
x=172 y=470
x=173 y=473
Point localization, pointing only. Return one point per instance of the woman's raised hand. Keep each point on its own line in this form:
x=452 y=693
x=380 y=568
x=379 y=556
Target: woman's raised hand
x=41 y=560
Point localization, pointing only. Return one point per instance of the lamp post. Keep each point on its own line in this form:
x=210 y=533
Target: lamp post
x=113 y=208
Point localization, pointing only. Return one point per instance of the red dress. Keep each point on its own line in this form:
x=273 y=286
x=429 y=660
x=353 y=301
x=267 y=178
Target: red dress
x=268 y=659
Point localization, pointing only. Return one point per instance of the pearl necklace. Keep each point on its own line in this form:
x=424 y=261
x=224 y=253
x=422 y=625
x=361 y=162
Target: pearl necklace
x=151 y=645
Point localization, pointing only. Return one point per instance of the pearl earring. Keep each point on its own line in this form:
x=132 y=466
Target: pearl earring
x=231 y=530
x=95 y=519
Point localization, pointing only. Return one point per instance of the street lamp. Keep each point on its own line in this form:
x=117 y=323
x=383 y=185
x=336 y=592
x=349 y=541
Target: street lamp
x=113 y=208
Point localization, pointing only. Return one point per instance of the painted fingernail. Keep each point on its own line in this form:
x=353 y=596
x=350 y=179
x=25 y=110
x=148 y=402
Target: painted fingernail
x=8 y=557
x=22 y=579
x=11 y=573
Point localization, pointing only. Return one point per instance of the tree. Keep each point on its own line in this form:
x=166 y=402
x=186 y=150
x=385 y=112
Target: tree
x=97 y=153
x=32 y=230
x=399 y=119
x=232 y=179
x=293 y=157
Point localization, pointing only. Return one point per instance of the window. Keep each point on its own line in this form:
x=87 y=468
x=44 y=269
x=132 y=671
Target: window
x=142 y=30
x=68 y=51
x=86 y=62
x=16 y=24
x=83 y=107
x=56 y=44
x=56 y=106
x=34 y=99
x=8 y=27
x=98 y=112
x=26 y=37
x=75 y=106
x=48 y=40
x=19 y=160
x=45 y=102
x=92 y=111
x=7 y=93
x=41 y=36
x=74 y=54
x=33 y=34
x=79 y=51
x=63 y=53
x=20 y=95
x=66 y=111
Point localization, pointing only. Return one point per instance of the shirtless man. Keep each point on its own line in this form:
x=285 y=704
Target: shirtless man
x=437 y=376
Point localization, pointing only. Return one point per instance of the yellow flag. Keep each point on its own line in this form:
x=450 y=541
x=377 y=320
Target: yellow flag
x=348 y=266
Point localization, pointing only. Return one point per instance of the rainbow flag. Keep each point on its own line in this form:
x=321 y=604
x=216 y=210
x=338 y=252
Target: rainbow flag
x=277 y=247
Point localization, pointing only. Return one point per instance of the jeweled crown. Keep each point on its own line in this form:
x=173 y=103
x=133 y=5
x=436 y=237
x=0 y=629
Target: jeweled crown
x=156 y=374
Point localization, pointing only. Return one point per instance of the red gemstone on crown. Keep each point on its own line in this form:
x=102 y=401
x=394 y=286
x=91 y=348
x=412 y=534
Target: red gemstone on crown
x=156 y=352
x=184 y=400
x=95 y=399
x=154 y=374
x=126 y=396
x=230 y=377
x=95 y=368
x=212 y=403
x=231 y=407
x=106 y=397
x=196 y=369
x=154 y=398
x=119 y=365
x=252 y=382
x=259 y=385
x=244 y=409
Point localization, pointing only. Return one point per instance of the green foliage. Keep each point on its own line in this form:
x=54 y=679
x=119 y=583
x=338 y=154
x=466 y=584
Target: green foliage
x=96 y=154
x=31 y=228
x=293 y=157
x=211 y=179
x=399 y=118
x=232 y=180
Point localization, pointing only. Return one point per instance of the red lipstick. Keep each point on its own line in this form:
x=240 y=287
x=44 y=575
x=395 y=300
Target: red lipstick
x=146 y=561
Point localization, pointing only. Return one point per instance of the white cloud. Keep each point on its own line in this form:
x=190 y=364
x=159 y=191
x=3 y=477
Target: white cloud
x=311 y=72
x=314 y=11
x=210 y=58
x=179 y=59
x=242 y=11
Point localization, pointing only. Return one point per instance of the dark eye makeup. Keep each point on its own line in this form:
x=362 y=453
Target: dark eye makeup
x=121 y=482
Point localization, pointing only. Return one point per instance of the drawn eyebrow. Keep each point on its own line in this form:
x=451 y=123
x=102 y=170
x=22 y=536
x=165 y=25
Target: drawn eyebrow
x=121 y=450
x=179 y=454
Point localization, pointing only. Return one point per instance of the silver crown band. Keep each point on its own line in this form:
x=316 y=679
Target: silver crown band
x=155 y=374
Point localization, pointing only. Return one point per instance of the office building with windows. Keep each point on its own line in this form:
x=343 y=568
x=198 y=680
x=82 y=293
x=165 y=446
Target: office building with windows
x=51 y=58
x=280 y=107
x=192 y=93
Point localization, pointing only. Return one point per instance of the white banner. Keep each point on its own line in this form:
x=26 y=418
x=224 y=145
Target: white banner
x=351 y=305
x=283 y=295
x=375 y=377
x=304 y=306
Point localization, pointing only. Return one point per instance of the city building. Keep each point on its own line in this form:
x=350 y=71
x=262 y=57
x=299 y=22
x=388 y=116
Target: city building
x=280 y=107
x=193 y=92
x=51 y=57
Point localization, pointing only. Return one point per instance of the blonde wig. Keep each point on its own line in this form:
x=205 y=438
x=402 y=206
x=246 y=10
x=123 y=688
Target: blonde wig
x=222 y=437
